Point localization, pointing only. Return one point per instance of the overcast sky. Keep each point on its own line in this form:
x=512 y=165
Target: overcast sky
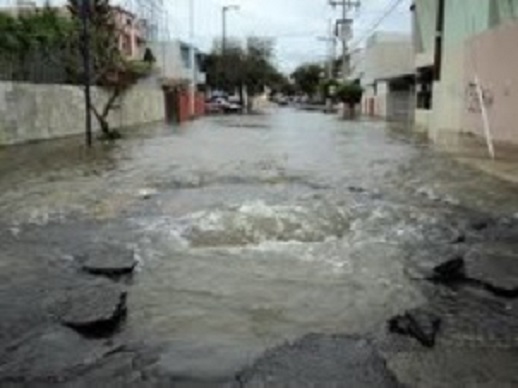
x=295 y=24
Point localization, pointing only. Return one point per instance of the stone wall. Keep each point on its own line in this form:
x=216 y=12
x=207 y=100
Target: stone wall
x=35 y=112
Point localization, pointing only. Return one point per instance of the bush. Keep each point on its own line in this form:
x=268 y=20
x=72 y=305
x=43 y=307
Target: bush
x=327 y=86
x=350 y=93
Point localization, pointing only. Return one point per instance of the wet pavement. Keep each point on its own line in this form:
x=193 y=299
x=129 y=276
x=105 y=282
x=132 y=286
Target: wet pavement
x=287 y=228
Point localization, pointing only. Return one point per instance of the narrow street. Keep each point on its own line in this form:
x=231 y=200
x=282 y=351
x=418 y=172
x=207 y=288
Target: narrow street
x=251 y=232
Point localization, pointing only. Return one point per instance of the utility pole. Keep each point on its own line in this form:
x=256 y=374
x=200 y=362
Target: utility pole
x=194 y=67
x=224 y=11
x=331 y=50
x=342 y=29
x=85 y=18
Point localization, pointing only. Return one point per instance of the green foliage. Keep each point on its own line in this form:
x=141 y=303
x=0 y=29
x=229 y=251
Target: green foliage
x=105 y=54
x=110 y=69
x=149 y=57
x=241 y=65
x=34 y=46
x=307 y=78
x=350 y=93
x=53 y=39
x=329 y=87
x=42 y=29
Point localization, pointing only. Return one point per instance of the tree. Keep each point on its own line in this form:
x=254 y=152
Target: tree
x=350 y=93
x=110 y=70
x=259 y=70
x=241 y=66
x=307 y=78
x=32 y=43
x=225 y=71
x=328 y=88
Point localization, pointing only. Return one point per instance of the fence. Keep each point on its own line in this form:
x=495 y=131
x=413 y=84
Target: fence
x=41 y=65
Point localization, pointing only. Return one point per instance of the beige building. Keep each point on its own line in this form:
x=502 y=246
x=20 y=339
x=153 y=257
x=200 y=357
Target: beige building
x=466 y=59
x=385 y=70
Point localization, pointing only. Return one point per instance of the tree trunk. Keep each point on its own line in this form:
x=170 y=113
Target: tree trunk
x=352 y=111
x=241 y=97
x=102 y=118
x=349 y=111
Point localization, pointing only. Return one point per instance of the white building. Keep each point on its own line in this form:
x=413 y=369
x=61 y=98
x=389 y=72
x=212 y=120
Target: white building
x=385 y=69
x=173 y=62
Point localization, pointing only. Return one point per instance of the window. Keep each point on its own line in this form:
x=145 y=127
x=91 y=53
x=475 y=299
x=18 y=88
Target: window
x=186 y=57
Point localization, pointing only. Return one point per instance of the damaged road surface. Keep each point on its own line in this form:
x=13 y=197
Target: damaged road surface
x=284 y=249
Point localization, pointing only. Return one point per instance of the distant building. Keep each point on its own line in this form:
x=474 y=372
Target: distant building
x=173 y=62
x=132 y=33
x=177 y=73
x=386 y=72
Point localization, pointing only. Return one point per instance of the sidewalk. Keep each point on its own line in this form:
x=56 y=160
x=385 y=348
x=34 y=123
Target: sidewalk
x=472 y=151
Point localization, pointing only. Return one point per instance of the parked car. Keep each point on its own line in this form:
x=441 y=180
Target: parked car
x=221 y=105
x=283 y=101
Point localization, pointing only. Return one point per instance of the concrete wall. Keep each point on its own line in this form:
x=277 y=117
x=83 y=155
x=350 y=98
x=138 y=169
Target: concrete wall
x=374 y=100
x=493 y=56
x=35 y=112
x=448 y=95
x=422 y=120
x=452 y=94
x=463 y=19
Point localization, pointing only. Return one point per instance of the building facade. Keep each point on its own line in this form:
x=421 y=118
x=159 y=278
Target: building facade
x=131 y=33
x=464 y=51
x=385 y=70
x=173 y=61
x=177 y=74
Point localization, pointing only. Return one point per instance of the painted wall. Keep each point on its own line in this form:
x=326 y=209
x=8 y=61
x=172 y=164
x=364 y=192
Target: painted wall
x=422 y=120
x=463 y=22
x=484 y=55
x=170 y=62
x=184 y=106
x=36 y=112
x=374 y=100
x=448 y=95
x=463 y=19
x=503 y=11
x=425 y=23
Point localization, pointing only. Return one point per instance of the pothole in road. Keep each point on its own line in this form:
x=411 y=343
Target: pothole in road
x=253 y=223
x=256 y=222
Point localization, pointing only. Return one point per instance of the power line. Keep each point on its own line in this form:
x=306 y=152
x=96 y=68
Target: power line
x=372 y=29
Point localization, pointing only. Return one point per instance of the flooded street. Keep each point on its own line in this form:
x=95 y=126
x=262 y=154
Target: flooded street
x=251 y=231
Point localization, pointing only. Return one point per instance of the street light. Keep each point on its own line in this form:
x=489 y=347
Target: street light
x=224 y=11
x=331 y=42
x=192 y=59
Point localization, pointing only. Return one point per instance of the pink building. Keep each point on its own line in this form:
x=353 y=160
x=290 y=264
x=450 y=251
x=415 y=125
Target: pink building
x=131 y=33
x=130 y=29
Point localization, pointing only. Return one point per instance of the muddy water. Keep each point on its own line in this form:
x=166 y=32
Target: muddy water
x=250 y=231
